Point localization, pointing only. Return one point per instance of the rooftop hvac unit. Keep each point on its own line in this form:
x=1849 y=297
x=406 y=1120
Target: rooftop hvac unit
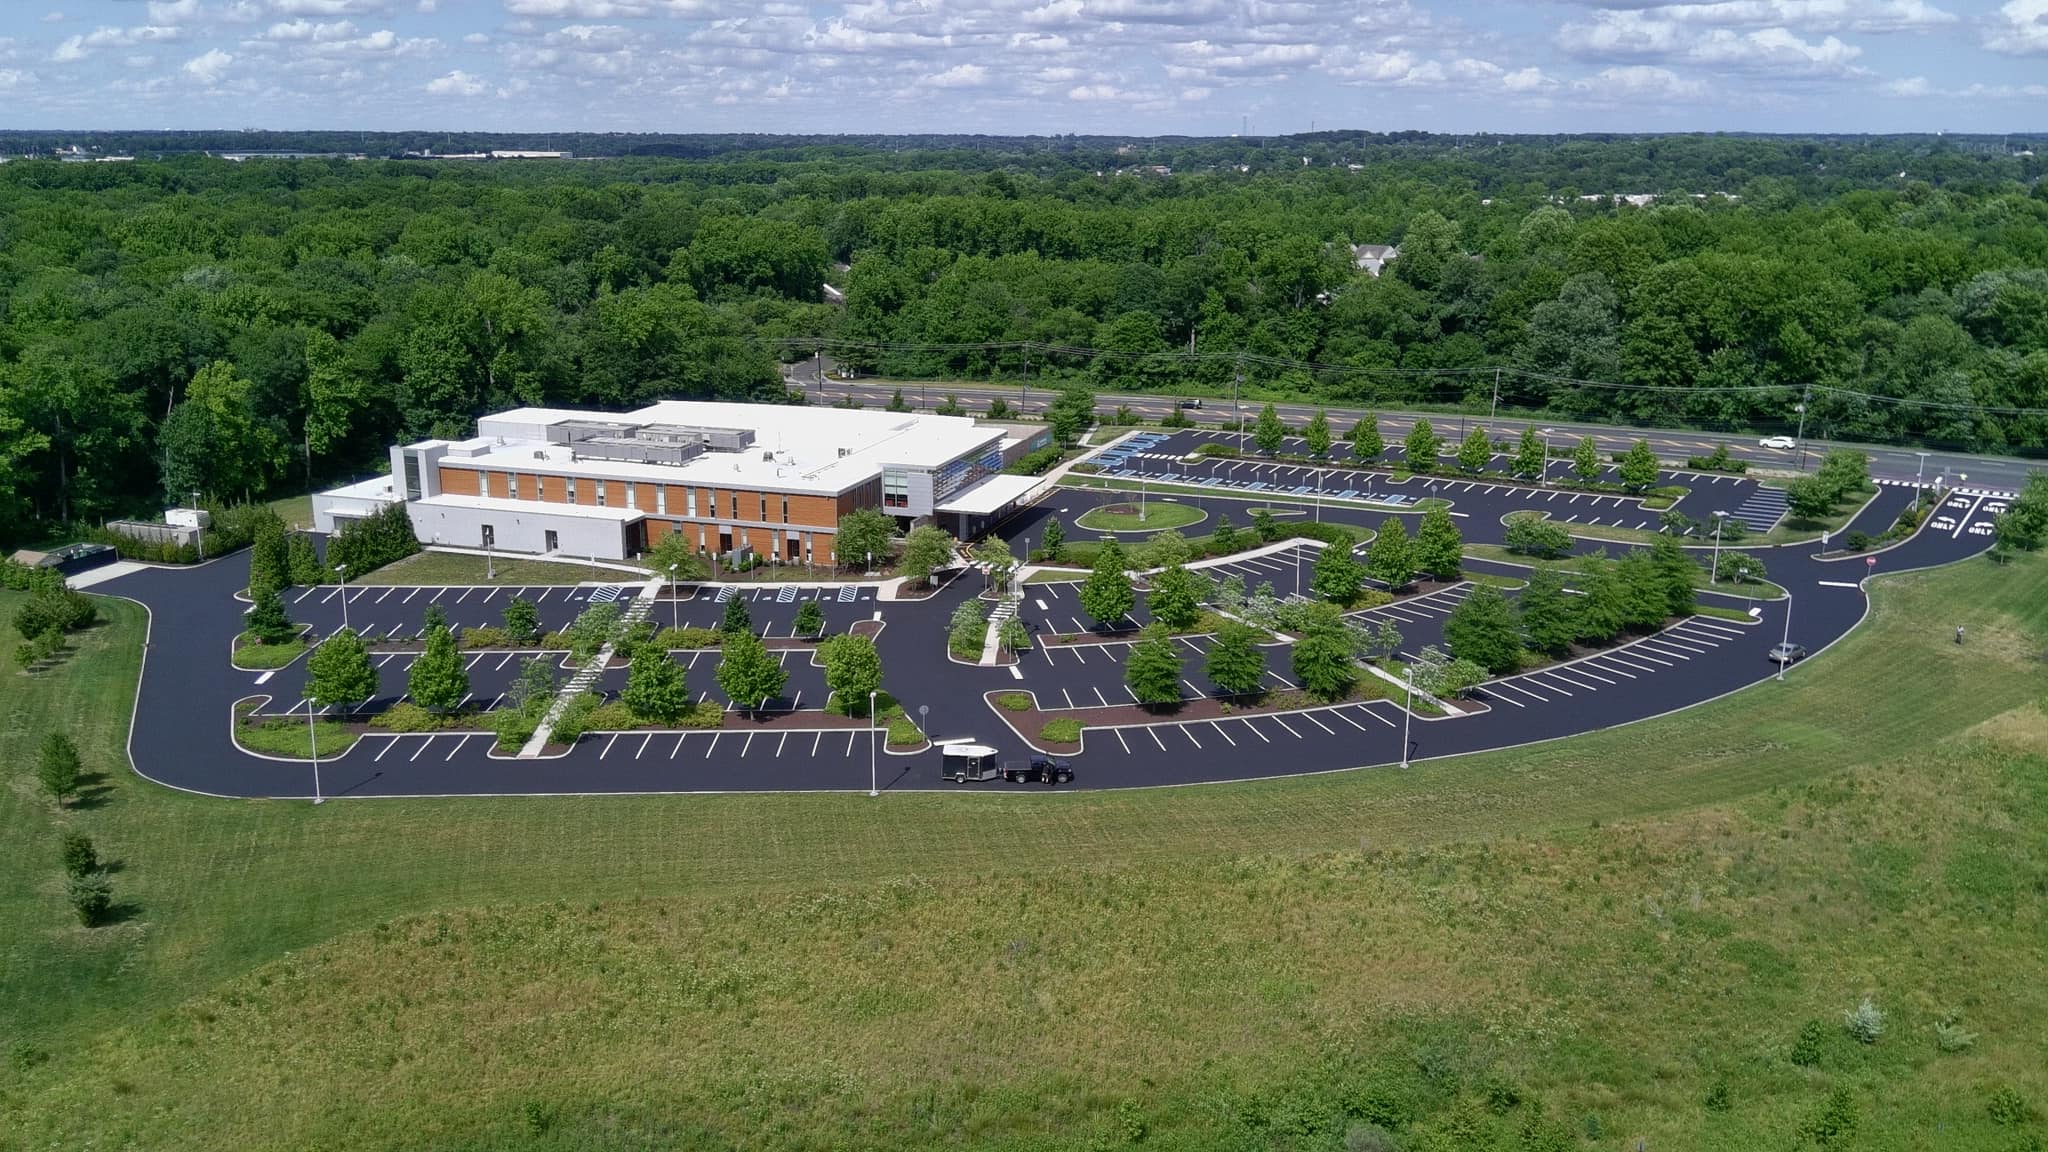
x=845 y=452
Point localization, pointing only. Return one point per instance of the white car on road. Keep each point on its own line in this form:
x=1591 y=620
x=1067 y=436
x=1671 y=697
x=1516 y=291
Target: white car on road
x=1777 y=442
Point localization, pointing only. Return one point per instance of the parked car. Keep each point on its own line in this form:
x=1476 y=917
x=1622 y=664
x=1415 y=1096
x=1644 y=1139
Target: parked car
x=1785 y=442
x=1191 y=402
x=1787 y=653
x=1038 y=770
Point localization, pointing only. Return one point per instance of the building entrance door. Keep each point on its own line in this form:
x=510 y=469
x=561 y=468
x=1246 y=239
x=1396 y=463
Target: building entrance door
x=490 y=536
x=550 y=541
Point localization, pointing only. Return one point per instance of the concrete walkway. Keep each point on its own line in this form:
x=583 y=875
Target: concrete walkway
x=592 y=669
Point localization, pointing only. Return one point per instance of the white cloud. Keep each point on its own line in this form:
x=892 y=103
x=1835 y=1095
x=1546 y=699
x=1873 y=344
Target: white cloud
x=1091 y=92
x=172 y=11
x=53 y=17
x=329 y=7
x=15 y=78
x=209 y=67
x=2019 y=29
x=457 y=83
x=1639 y=82
x=1775 y=49
x=958 y=76
x=307 y=31
x=577 y=9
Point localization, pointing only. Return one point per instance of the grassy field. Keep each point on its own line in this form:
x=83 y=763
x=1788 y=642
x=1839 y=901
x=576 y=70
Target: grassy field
x=1159 y=516
x=1473 y=952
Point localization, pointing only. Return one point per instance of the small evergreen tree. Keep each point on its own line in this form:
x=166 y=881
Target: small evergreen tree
x=58 y=767
x=1053 y=539
x=1482 y=629
x=1390 y=559
x=1152 y=670
x=1107 y=594
x=91 y=897
x=1366 y=443
x=1421 y=447
x=1235 y=663
x=1265 y=526
x=1439 y=546
x=338 y=673
x=1317 y=435
x=438 y=681
x=1268 y=432
x=269 y=555
x=737 y=617
x=896 y=402
x=267 y=620
x=436 y=618
x=1223 y=537
x=302 y=563
x=1475 y=452
x=75 y=850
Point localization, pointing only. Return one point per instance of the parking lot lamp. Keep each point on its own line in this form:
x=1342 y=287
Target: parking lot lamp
x=1407 y=674
x=1714 y=575
x=341 y=570
x=1788 y=634
x=874 y=788
x=1545 y=477
x=201 y=537
x=313 y=745
x=675 y=613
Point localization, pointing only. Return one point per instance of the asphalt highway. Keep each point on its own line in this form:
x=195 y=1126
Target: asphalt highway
x=181 y=735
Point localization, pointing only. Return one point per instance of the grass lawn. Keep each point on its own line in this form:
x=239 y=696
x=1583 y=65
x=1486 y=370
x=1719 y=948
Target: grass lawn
x=288 y=737
x=254 y=656
x=1159 y=515
x=1621 y=928
x=295 y=511
x=456 y=568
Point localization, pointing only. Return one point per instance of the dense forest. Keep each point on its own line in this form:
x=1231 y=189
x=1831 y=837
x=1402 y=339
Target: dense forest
x=182 y=323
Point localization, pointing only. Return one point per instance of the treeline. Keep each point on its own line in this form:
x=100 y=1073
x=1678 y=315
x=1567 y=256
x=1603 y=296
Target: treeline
x=233 y=329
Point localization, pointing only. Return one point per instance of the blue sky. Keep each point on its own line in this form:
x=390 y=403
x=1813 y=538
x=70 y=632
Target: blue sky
x=1027 y=66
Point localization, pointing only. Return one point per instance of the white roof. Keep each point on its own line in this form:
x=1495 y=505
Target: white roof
x=990 y=495
x=796 y=448
x=529 y=508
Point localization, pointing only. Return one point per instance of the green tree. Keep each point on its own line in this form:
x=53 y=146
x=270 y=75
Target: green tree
x=1391 y=559
x=657 y=688
x=1386 y=638
x=1474 y=453
x=58 y=767
x=2024 y=523
x=76 y=852
x=1482 y=629
x=863 y=533
x=269 y=554
x=1676 y=572
x=1235 y=663
x=927 y=549
x=896 y=402
x=676 y=549
x=1166 y=548
x=1268 y=432
x=1809 y=498
x=1053 y=539
x=1317 y=434
x=1546 y=613
x=1070 y=413
x=1645 y=603
x=1586 y=461
x=1421 y=447
x=1338 y=578
x=1845 y=471
x=267 y=620
x=1366 y=443
x=1323 y=663
x=737 y=618
x=303 y=563
x=1152 y=670
x=1223 y=537
x=435 y=618
x=1106 y=594
x=522 y=620
x=535 y=687
x=339 y=674
x=1265 y=526
x=1532 y=535
x=810 y=619
x=438 y=681
x=1638 y=466
x=1176 y=597
x=91 y=897
x=853 y=670
x=1530 y=455
x=747 y=674
x=1601 y=609
x=1439 y=546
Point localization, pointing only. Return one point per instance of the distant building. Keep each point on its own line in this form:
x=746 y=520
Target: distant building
x=1370 y=258
x=769 y=479
x=523 y=154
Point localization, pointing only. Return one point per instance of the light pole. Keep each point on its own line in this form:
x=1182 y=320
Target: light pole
x=675 y=611
x=341 y=570
x=1714 y=575
x=201 y=537
x=1407 y=674
x=1782 y=653
x=1919 y=470
x=1319 y=495
x=1236 y=383
x=313 y=745
x=490 y=565
x=874 y=781
x=924 y=710
x=1544 y=479
x=1141 y=498
x=1801 y=434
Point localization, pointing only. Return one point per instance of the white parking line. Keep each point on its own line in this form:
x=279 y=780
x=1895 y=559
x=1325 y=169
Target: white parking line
x=422 y=748
x=458 y=747
x=678 y=749
x=608 y=746
x=1246 y=720
x=1546 y=684
x=1618 y=658
x=388 y=746
x=1120 y=739
x=1310 y=717
x=1283 y=724
x=387 y=592
x=1503 y=699
x=1538 y=697
x=711 y=744
x=644 y=742
x=544 y=594
x=1374 y=715
x=1605 y=668
x=1101 y=697
x=1222 y=733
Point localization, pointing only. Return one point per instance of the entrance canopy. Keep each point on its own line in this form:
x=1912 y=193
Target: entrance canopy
x=990 y=496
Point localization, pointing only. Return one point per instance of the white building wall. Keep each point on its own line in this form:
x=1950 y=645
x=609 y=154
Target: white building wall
x=520 y=531
x=329 y=511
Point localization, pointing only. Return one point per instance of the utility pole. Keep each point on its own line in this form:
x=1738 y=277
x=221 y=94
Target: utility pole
x=1800 y=408
x=1024 y=385
x=1494 y=411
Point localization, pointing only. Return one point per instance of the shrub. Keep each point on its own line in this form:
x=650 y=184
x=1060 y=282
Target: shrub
x=669 y=639
x=1719 y=1098
x=406 y=716
x=1835 y=1122
x=370 y=543
x=1218 y=448
x=1369 y=1138
x=91 y=896
x=58 y=767
x=1014 y=702
x=486 y=636
x=612 y=716
x=1856 y=541
x=78 y=855
x=1950 y=1036
x=1532 y=536
x=1061 y=731
x=1865 y=1022
x=514 y=727
x=2007 y=1107
x=1806 y=1049
x=1036 y=463
x=575 y=719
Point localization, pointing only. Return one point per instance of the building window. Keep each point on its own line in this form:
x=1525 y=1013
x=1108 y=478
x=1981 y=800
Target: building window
x=689 y=506
x=895 y=489
x=603 y=491
x=785 y=509
x=764 y=510
x=660 y=503
x=572 y=489
x=412 y=476
x=734 y=500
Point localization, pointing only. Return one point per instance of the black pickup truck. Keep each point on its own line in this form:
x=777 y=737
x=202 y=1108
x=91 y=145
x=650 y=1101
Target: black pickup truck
x=1038 y=770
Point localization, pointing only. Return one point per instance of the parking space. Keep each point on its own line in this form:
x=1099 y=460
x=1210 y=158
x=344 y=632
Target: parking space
x=1961 y=516
x=1626 y=668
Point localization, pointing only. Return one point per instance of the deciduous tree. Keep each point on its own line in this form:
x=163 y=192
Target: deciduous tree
x=339 y=674
x=1235 y=663
x=1152 y=670
x=1107 y=594
x=1439 y=546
